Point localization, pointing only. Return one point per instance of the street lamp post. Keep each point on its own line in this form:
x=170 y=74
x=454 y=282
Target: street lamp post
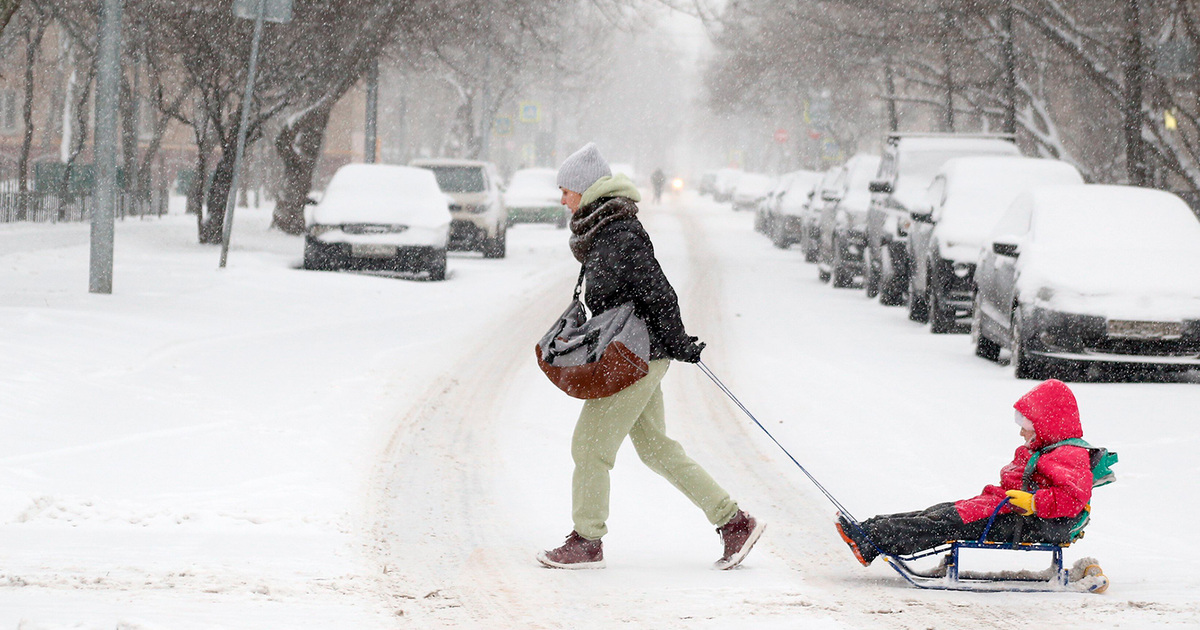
x=108 y=74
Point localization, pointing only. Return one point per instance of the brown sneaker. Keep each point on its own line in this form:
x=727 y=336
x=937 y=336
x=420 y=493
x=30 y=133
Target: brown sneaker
x=577 y=553
x=739 y=535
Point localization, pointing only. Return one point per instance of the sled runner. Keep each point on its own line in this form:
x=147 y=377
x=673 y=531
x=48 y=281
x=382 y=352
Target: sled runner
x=1084 y=576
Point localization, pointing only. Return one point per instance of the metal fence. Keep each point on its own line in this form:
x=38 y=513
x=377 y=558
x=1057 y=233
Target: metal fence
x=51 y=208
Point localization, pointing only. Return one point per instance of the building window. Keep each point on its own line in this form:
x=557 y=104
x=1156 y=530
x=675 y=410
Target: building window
x=8 y=110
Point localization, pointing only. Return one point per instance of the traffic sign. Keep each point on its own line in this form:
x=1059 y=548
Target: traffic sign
x=530 y=112
x=781 y=135
x=502 y=126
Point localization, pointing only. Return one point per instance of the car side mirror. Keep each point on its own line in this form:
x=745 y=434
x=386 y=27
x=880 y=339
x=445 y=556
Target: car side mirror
x=1007 y=246
x=880 y=186
x=922 y=216
x=309 y=201
x=829 y=195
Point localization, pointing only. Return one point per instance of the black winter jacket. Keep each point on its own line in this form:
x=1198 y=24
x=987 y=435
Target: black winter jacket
x=620 y=267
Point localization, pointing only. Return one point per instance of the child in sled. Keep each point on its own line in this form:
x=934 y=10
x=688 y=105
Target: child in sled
x=1061 y=487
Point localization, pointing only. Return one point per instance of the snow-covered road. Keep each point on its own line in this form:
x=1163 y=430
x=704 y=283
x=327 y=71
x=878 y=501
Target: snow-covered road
x=265 y=447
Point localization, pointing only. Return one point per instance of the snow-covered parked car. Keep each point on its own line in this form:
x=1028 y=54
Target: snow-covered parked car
x=910 y=161
x=784 y=221
x=844 y=222
x=1077 y=275
x=533 y=197
x=724 y=182
x=751 y=189
x=966 y=199
x=810 y=215
x=378 y=215
x=479 y=220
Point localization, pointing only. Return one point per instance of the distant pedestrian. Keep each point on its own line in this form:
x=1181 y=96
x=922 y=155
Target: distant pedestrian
x=620 y=267
x=658 y=180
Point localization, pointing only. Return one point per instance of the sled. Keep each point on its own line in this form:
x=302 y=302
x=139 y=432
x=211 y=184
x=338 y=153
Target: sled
x=1085 y=575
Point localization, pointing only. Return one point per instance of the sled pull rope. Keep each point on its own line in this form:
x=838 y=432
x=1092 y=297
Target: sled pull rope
x=832 y=499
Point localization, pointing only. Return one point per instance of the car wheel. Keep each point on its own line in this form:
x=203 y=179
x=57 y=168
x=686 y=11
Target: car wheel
x=918 y=304
x=313 y=260
x=843 y=277
x=984 y=347
x=870 y=274
x=436 y=265
x=809 y=245
x=941 y=318
x=1027 y=365
x=891 y=292
x=778 y=238
x=496 y=247
x=822 y=275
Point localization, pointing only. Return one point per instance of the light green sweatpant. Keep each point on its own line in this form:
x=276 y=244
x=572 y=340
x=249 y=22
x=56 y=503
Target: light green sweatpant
x=636 y=411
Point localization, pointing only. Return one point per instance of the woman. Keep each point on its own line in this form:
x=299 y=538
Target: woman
x=620 y=267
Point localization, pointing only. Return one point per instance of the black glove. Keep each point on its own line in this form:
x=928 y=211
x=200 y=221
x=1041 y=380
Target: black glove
x=691 y=352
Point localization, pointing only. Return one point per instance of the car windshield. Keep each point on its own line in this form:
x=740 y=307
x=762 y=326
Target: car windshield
x=459 y=179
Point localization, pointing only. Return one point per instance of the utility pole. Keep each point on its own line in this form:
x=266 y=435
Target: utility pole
x=108 y=72
x=370 y=144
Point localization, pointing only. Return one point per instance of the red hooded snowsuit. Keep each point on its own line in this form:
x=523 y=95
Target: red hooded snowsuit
x=1063 y=475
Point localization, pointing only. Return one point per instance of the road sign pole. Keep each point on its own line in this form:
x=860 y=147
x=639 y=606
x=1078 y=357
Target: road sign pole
x=231 y=201
x=108 y=73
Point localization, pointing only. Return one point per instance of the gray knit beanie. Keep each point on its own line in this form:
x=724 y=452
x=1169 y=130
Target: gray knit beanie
x=582 y=169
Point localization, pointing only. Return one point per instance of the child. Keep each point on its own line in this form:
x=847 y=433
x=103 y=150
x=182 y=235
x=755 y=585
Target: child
x=1042 y=509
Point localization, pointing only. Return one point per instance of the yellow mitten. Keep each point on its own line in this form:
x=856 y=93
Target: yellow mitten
x=1022 y=501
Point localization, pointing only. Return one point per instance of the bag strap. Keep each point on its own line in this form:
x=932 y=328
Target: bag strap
x=579 y=283
x=1027 y=478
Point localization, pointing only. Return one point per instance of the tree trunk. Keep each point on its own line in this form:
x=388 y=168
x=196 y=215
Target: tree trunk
x=1009 y=58
x=33 y=41
x=947 y=61
x=889 y=84
x=7 y=9
x=298 y=146
x=218 y=194
x=1131 y=108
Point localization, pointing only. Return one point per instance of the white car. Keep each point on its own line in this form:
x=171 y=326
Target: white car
x=724 y=182
x=785 y=222
x=966 y=199
x=751 y=189
x=378 y=215
x=533 y=197
x=479 y=220
x=1077 y=275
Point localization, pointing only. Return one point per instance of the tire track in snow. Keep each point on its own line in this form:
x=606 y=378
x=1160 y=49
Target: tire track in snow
x=442 y=557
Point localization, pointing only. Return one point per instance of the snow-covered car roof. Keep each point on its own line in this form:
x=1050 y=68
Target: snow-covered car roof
x=855 y=183
x=918 y=159
x=1135 y=250
x=535 y=186
x=756 y=184
x=383 y=194
x=980 y=189
x=796 y=195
